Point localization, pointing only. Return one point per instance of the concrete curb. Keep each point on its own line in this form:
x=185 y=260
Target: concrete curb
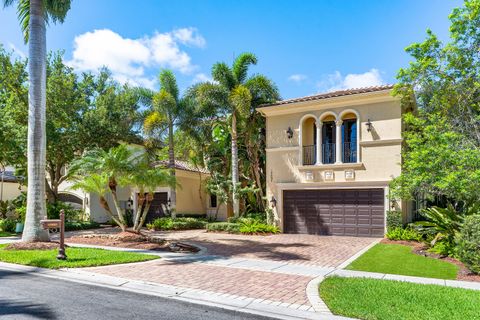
x=213 y=299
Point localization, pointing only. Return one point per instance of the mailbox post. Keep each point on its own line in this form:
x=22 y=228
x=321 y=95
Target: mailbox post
x=57 y=224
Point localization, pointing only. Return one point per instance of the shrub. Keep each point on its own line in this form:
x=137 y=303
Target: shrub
x=167 y=223
x=224 y=226
x=406 y=234
x=7 y=225
x=469 y=243
x=71 y=214
x=394 y=219
x=258 y=228
x=81 y=225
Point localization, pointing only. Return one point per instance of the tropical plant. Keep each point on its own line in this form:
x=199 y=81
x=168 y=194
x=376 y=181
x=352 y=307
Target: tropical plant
x=102 y=172
x=166 y=111
x=469 y=243
x=235 y=95
x=33 y=16
x=406 y=234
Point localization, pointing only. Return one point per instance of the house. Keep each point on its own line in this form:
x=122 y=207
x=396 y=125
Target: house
x=330 y=158
x=10 y=185
x=192 y=198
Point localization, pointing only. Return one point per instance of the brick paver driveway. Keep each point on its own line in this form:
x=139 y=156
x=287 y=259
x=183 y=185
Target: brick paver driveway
x=325 y=251
x=284 y=289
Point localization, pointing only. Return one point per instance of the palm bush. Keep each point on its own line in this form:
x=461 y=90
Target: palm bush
x=468 y=242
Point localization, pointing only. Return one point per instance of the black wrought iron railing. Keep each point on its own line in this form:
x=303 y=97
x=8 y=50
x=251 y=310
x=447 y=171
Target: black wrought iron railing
x=309 y=155
x=328 y=153
x=349 y=152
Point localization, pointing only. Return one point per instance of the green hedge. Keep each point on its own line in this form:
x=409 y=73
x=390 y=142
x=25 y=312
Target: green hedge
x=469 y=243
x=224 y=226
x=168 y=223
x=243 y=225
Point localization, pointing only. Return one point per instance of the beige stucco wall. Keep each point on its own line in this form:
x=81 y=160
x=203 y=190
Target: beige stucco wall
x=11 y=190
x=379 y=150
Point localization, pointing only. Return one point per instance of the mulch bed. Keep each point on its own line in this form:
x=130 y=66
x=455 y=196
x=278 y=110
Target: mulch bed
x=32 y=246
x=421 y=249
x=133 y=241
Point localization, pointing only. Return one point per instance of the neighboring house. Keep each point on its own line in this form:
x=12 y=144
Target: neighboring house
x=192 y=198
x=330 y=158
x=10 y=185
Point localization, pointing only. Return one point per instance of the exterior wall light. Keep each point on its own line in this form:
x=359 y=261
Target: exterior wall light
x=273 y=202
x=289 y=133
x=369 y=125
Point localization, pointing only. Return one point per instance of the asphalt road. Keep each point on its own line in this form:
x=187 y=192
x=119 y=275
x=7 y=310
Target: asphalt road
x=25 y=296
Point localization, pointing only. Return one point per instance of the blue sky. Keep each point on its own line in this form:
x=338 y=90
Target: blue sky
x=304 y=46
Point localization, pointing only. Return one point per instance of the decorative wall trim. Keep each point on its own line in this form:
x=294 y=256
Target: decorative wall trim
x=389 y=142
x=282 y=149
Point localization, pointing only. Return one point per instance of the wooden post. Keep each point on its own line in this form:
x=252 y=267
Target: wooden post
x=61 y=251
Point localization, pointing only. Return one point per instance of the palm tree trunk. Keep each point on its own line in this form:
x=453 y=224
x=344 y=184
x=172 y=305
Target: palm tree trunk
x=36 y=207
x=235 y=200
x=171 y=165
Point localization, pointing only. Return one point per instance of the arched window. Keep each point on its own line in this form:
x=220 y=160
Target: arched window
x=308 y=140
x=349 y=142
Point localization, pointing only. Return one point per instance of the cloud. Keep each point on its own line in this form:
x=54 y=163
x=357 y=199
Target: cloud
x=201 y=77
x=189 y=36
x=336 y=81
x=17 y=51
x=128 y=59
x=297 y=77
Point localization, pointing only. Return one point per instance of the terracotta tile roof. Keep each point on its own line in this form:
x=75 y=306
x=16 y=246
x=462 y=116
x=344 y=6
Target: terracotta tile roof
x=333 y=94
x=181 y=165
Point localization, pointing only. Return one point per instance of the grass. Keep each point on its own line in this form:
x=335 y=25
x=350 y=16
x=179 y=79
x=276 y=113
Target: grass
x=7 y=234
x=399 y=259
x=76 y=257
x=394 y=300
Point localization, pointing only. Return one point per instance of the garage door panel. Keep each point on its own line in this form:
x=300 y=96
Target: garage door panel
x=352 y=212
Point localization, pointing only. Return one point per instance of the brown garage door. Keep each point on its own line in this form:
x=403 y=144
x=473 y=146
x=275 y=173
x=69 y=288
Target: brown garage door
x=349 y=212
x=160 y=200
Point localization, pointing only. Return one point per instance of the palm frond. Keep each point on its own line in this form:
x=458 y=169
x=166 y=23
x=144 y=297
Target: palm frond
x=23 y=13
x=57 y=9
x=153 y=122
x=263 y=90
x=223 y=75
x=168 y=82
x=241 y=64
x=240 y=99
x=144 y=95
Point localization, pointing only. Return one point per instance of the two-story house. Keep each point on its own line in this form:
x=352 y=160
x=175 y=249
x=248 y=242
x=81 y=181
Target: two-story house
x=330 y=158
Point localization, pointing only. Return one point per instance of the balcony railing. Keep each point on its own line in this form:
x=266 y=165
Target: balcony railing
x=309 y=155
x=349 y=154
x=328 y=153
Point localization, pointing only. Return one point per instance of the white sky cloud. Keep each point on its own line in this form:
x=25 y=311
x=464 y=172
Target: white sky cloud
x=336 y=81
x=201 y=77
x=297 y=77
x=17 y=51
x=128 y=59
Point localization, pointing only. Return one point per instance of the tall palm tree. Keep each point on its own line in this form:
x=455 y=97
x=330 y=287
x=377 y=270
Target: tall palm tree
x=166 y=111
x=236 y=94
x=33 y=16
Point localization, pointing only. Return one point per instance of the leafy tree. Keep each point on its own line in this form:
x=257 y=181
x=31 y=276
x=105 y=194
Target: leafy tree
x=442 y=141
x=236 y=95
x=33 y=16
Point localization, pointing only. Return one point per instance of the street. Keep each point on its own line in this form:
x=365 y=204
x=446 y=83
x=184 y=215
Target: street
x=24 y=296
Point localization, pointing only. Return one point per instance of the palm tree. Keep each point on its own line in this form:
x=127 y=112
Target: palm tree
x=166 y=111
x=33 y=16
x=236 y=94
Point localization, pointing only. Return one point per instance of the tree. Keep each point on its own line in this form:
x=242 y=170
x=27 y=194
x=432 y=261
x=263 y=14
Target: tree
x=102 y=172
x=236 y=95
x=82 y=113
x=442 y=140
x=33 y=16
x=166 y=111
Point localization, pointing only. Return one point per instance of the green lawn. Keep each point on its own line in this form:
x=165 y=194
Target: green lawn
x=399 y=259
x=391 y=300
x=7 y=234
x=76 y=257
